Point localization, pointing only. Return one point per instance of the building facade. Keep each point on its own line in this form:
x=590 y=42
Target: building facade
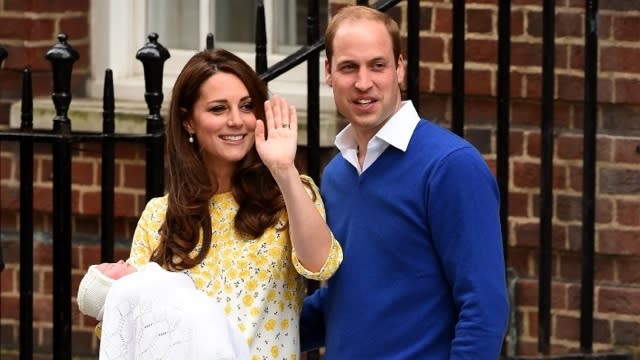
x=107 y=34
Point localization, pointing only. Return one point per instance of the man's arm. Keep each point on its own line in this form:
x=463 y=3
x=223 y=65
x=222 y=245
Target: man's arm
x=466 y=231
x=312 y=329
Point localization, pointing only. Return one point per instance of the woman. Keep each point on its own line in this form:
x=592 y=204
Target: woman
x=238 y=217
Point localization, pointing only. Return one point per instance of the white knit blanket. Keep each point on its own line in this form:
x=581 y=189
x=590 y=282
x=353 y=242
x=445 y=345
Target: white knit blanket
x=155 y=314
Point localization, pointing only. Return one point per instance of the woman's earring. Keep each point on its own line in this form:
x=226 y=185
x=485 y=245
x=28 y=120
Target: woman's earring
x=191 y=140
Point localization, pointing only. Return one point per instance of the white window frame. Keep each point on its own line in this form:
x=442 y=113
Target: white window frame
x=117 y=32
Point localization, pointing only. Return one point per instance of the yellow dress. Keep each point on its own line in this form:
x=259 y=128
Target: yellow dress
x=259 y=282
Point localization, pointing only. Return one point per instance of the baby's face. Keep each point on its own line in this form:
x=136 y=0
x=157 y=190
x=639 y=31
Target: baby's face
x=116 y=270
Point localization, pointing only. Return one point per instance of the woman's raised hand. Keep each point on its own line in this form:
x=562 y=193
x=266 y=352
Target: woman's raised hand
x=277 y=146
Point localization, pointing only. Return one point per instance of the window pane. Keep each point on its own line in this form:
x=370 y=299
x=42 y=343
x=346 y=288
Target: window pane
x=234 y=23
x=175 y=21
x=291 y=22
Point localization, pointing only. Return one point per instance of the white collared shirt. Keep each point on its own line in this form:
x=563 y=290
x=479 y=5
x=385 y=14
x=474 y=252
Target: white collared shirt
x=396 y=132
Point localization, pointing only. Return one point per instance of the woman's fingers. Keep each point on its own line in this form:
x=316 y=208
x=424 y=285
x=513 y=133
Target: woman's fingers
x=293 y=117
x=277 y=111
x=279 y=114
x=268 y=113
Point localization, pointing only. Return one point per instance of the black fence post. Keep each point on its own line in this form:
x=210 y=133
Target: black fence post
x=313 y=93
x=413 y=52
x=503 y=115
x=261 y=40
x=153 y=55
x=589 y=174
x=26 y=220
x=502 y=152
x=313 y=117
x=3 y=55
x=210 y=41
x=546 y=176
x=108 y=169
x=62 y=56
x=457 y=67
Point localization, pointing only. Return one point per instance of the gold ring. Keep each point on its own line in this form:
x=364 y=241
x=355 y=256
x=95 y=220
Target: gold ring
x=285 y=126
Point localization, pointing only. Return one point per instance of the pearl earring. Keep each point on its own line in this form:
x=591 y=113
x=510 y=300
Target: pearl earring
x=191 y=140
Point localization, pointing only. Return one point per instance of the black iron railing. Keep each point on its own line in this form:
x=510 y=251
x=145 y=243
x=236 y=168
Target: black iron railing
x=62 y=56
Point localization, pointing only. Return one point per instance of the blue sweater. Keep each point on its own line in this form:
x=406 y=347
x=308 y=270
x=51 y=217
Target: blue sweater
x=423 y=273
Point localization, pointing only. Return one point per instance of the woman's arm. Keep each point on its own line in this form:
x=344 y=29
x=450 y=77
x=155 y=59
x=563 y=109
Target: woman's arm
x=310 y=235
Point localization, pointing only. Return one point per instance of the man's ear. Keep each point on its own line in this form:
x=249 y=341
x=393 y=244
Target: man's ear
x=400 y=70
x=327 y=71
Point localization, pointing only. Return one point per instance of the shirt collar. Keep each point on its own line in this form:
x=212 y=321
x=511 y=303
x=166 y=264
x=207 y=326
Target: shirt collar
x=396 y=132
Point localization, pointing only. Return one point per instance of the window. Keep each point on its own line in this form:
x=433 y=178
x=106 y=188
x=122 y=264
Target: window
x=177 y=21
x=233 y=23
x=120 y=28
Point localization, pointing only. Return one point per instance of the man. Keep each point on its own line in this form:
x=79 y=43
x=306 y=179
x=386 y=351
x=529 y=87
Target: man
x=416 y=211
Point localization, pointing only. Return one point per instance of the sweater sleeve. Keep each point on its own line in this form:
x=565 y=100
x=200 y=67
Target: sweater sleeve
x=312 y=328
x=464 y=216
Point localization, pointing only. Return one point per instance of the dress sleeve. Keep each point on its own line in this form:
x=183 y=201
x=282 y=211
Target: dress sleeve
x=146 y=237
x=334 y=259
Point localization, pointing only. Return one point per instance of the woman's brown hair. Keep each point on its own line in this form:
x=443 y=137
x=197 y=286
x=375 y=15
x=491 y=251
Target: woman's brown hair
x=189 y=186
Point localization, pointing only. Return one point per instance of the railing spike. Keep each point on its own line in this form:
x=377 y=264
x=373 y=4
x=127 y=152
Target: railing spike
x=261 y=40
x=26 y=116
x=210 y=41
x=108 y=170
x=153 y=55
x=3 y=54
x=62 y=56
x=108 y=103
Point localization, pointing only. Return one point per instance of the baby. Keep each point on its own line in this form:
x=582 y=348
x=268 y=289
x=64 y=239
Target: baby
x=151 y=313
x=95 y=285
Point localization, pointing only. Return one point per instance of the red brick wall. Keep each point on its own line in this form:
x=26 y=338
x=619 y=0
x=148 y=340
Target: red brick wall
x=617 y=309
x=29 y=29
x=617 y=293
